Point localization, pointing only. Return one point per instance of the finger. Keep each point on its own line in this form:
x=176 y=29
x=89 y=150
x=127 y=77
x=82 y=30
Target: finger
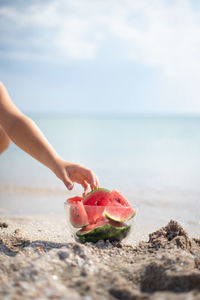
x=68 y=183
x=97 y=182
x=90 y=178
x=85 y=185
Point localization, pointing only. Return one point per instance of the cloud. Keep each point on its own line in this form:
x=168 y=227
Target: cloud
x=160 y=34
x=154 y=33
x=53 y=26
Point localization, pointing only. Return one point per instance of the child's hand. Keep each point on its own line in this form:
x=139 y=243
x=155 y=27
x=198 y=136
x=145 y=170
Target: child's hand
x=71 y=172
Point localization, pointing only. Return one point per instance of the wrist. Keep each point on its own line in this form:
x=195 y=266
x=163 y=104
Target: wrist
x=59 y=165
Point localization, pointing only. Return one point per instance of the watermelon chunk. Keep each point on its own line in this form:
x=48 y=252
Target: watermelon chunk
x=78 y=215
x=74 y=200
x=119 y=213
x=116 y=198
x=118 y=208
x=103 y=230
x=94 y=203
x=97 y=197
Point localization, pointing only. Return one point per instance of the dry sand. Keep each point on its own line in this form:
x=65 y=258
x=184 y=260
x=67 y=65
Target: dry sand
x=40 y=260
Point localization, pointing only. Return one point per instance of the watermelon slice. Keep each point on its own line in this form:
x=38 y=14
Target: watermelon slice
x=116 y=198
x=97 y=197
x=94 y=203
x=103 y=230
x=113 y=205
x=78 y=215
x=118 y=208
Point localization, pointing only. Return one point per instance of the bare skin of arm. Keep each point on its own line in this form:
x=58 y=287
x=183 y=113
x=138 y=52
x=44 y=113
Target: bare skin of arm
x=4 y=140
x=25 y=134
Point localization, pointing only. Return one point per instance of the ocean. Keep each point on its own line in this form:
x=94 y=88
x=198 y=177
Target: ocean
x=153 y=161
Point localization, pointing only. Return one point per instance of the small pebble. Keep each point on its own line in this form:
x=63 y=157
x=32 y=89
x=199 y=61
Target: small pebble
x=63 y=255
x=100 y=244
x=3 y=225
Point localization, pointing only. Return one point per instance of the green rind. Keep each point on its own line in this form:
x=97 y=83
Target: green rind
x=105 y=232
x=79 y=226
x=108 y=216
x=98 y=189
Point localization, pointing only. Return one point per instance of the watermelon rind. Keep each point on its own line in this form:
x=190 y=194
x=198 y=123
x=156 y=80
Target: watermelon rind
x=105 y=232
x=114 y=218
x=95 y=190
x=84 y=225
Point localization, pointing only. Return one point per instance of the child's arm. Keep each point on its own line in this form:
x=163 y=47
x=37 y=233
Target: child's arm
x=4 y=140
x=25 y=134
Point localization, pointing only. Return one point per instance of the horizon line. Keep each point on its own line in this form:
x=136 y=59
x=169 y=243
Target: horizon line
x=113 y=114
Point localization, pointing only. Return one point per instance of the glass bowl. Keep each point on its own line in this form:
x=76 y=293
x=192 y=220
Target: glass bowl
x=93 y=223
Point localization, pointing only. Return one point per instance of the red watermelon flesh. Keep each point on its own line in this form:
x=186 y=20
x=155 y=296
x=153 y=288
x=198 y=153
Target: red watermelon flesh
x=97 y=223
x=98 y=204
x=78 y=215
x=94 y=203
x=101 y=222
x=116 y=198
x=94 y=212
x=74 y=200
x=97 y=197
x=118 y=208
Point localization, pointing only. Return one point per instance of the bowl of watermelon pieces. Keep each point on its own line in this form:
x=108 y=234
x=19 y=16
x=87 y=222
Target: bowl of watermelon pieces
x=100 y=215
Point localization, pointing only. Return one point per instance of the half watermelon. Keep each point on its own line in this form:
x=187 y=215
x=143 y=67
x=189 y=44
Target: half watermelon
x=103 y=229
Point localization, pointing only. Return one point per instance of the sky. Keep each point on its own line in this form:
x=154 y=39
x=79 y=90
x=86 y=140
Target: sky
x=101 y=56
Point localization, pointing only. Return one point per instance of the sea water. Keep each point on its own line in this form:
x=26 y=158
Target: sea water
x=153 y=161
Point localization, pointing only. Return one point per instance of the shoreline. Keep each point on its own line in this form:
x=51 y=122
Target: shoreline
x=156 y=207
x=40 y=260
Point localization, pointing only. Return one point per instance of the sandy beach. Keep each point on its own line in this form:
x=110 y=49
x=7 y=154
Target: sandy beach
x=40 y=260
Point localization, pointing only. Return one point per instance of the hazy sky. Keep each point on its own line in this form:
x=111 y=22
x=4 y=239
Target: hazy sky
x=88 y=56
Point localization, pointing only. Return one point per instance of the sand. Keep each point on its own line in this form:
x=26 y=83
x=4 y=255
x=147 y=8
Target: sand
x=40 y=260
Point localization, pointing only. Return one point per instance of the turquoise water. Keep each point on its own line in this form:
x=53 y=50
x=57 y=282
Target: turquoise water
x=154 y=161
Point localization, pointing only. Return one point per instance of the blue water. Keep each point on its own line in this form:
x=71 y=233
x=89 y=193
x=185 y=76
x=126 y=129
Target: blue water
x=154 y=161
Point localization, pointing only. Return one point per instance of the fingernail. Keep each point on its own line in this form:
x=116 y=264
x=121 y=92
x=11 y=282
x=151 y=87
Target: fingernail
x=70 y=186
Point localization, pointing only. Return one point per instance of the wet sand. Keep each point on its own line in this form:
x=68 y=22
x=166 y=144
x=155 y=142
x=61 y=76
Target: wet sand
x=40 y=260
